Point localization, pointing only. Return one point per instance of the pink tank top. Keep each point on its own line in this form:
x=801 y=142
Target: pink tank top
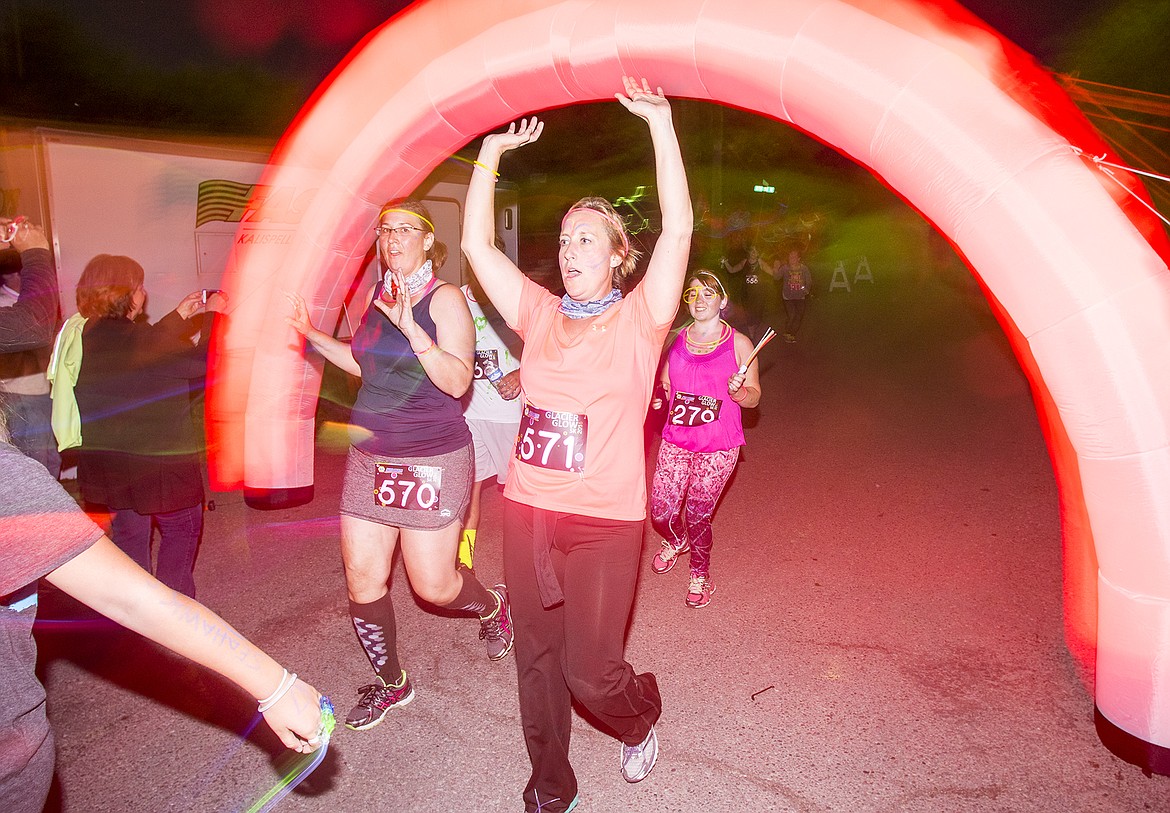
x=701 y=416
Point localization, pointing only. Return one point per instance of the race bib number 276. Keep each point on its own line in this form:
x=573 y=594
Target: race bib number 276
x=552 y=440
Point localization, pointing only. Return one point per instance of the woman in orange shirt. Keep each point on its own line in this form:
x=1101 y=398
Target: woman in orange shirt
x=576 y=490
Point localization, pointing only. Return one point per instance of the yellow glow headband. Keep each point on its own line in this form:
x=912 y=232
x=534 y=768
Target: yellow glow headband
x=390 y=209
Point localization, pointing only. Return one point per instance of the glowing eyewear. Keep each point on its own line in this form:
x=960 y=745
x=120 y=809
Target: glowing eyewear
x=401 y=232
x=695 y=291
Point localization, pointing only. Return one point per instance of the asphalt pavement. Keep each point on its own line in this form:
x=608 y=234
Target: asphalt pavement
x=886 y=634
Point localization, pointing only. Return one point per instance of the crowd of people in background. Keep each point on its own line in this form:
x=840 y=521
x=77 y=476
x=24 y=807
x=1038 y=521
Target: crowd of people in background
x=766 y=290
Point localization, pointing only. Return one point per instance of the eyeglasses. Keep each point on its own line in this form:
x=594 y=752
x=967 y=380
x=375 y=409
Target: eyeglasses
x=695 y=291
x=395 y=231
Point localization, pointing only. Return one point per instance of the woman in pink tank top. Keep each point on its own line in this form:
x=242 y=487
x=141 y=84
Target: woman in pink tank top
x=707 y=386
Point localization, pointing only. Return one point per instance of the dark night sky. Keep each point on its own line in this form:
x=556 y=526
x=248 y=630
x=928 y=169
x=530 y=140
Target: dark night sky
x=299 y=39
x=304 y=39
x=1037 y=26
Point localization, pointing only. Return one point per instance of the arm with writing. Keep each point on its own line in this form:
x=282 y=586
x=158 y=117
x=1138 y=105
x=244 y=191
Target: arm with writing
x=107 y=580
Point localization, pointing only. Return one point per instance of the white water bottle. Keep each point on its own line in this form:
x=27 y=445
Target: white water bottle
x=494 y=373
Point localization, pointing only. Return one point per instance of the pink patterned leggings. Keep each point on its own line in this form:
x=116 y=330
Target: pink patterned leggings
x=687 y=486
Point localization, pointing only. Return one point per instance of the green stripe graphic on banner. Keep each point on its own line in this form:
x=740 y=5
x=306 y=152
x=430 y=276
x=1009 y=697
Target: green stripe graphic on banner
x=222 y=200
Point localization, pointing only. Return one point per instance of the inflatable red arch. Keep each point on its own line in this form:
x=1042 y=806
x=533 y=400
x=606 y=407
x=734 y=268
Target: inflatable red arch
x=965 y=127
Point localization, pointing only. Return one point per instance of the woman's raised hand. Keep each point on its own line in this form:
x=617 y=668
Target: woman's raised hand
x=526 y=132
x=399 y=313
x=299 y=318
x=643 y=102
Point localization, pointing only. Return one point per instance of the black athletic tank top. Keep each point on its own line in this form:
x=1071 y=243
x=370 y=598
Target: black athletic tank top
x=403 y=413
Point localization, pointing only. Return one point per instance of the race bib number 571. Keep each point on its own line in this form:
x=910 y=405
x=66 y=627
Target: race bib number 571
x=552 y=440
x=413 y=488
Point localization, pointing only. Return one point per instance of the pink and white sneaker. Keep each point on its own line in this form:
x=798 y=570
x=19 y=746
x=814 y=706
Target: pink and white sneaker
x=700 y=591
x=664 y=560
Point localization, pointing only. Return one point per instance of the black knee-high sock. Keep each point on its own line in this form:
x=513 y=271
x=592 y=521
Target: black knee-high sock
x=375 y=627
x=474 y=597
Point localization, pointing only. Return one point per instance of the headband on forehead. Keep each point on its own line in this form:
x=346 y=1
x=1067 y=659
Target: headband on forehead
x=390 y=209
x=613 y=220
x=718 y=286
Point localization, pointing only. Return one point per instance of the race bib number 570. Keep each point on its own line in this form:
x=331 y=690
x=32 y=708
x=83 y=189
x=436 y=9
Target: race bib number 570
x=413 y=488
x=552 y=440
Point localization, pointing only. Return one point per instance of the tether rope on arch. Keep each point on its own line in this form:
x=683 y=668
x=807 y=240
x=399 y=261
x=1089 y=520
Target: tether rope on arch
x=1107 y=167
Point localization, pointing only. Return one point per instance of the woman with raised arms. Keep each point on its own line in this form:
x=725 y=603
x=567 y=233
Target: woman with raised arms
x=576 y=491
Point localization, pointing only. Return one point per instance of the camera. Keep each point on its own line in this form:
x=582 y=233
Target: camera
x=8 y=233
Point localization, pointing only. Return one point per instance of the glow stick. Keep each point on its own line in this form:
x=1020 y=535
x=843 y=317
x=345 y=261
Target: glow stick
x=769 y=334
x=302 y=766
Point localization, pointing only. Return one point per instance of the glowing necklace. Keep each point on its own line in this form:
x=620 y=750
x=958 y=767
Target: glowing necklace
x=707 y=347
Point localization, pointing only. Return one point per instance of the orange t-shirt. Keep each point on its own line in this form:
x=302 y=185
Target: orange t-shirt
x=605 y=374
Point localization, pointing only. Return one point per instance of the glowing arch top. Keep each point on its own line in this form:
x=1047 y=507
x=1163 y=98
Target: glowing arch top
x=964 y=126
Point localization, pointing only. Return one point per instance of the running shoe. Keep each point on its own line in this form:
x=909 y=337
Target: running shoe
x=638 y=760
x=700 y=591
x=377 y=699
x=665 y=558
x=496 y=630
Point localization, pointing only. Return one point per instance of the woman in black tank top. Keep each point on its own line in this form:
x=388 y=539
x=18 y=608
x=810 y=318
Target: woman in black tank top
x=410 y=466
